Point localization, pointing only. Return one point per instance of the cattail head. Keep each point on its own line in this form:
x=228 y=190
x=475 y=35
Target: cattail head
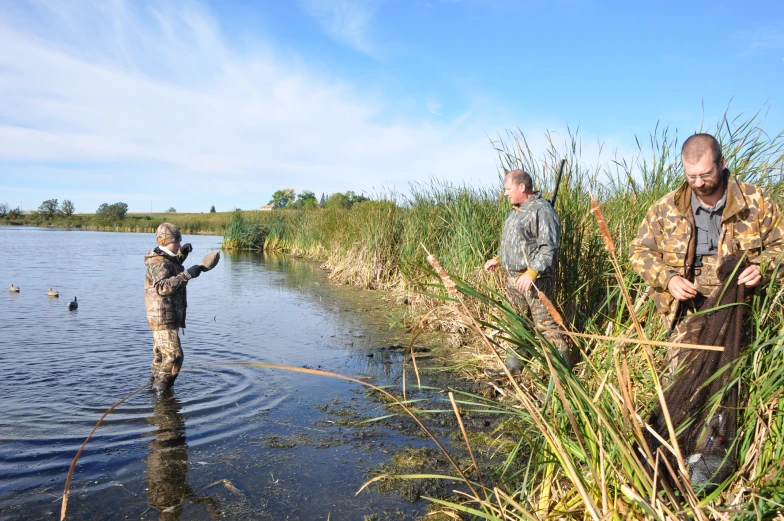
x=551 y=309
x=449 y=284
x=603 y=228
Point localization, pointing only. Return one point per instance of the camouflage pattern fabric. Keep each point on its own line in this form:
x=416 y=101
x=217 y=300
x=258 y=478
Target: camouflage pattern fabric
x=165 y=297
x=167 y=233
x=167 y=356
x=530 y=238
x=529 y=302
x=751 y=222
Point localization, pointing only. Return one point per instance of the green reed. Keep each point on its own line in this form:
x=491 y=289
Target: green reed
x=576 y=432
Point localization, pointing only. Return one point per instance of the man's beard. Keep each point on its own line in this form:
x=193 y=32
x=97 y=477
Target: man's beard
x=706 y=190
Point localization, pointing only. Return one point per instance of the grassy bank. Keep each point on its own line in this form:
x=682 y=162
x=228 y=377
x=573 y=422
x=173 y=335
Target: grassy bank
x=581 y=431
x=189 y=223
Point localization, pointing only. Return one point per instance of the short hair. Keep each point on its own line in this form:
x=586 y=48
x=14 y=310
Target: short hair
x=697 y=145
x=521 y=177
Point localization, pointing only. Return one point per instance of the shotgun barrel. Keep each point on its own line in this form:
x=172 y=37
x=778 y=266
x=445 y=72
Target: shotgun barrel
x=557 y=183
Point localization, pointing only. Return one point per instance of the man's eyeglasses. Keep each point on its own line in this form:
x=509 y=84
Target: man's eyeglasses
x=703 y=177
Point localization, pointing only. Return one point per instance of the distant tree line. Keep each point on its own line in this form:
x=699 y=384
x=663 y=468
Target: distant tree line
x=288 y=198
x=112 y=212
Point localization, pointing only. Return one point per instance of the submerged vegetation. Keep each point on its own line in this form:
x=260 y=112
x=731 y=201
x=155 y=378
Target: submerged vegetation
x=580 y=432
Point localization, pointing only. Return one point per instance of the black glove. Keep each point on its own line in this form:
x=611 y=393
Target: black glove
x=185 y=249
x=195 y=270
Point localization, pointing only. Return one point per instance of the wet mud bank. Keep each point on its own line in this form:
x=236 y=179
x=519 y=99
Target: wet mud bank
x=496 y=449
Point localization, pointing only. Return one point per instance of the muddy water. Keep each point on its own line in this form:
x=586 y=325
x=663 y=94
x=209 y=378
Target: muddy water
x=290 y=445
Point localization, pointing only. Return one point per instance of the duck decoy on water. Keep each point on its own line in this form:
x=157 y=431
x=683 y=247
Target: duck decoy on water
x=73 y=305
x=13 y=289
x=53 y=293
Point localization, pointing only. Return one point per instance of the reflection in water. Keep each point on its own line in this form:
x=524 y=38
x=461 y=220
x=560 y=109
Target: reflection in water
x=252 y=307
x=167 y=461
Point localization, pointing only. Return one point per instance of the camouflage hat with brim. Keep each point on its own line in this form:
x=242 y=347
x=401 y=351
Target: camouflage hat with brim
x=167 y=233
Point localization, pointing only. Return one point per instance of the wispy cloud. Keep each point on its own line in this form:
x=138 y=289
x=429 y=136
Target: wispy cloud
x=347 y=21
x=160 y=96
x=152 y=102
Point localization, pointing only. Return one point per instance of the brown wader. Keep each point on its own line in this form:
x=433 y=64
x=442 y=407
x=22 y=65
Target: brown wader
x=529 y=302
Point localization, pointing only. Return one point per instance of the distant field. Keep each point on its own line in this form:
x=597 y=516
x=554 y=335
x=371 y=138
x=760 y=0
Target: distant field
x=198 y=223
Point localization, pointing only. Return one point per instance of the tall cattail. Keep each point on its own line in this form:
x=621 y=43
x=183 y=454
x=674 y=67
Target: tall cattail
x=449 y=284
x=597 y=213
x=550 y=308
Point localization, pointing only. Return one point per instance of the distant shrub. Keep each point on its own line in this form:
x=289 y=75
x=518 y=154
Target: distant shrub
x=67 y=208
x=114 y=212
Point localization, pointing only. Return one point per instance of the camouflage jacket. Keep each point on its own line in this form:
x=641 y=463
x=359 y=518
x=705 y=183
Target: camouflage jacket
x=530 y=238
x=751 y=221
x=164 y=290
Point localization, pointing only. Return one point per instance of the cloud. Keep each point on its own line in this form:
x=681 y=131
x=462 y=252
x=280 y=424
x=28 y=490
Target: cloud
x=151 y=102
x=346 y=21
x=172 y=108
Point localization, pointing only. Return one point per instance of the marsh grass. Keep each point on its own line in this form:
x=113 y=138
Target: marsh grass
x=189 y=223
x=579 y=432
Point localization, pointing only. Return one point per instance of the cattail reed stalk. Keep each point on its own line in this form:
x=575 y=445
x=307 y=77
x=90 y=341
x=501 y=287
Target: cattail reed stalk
x=596 y=210
x=550 y=308
x=449 y=284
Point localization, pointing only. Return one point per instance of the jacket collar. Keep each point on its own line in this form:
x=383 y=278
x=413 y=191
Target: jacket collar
x=735 y=203
x=535 y=195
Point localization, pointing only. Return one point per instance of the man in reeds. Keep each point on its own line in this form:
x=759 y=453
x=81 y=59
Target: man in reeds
x=165 y=299
x=713 y=228
x=686 y=233
x=529 y=245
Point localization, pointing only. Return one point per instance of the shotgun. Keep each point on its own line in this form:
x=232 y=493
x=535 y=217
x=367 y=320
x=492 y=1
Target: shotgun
x=557 y=183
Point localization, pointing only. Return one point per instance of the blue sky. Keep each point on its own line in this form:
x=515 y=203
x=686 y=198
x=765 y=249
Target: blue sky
x=193 y=104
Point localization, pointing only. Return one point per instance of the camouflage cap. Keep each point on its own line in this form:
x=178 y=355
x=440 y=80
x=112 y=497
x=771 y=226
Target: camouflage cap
x=167 y=233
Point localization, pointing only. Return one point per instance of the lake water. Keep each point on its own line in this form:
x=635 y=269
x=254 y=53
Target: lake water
x=288 y=443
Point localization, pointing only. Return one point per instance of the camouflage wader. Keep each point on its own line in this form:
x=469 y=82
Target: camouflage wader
x=166 y=302
x=530 y=302
x=167 y=356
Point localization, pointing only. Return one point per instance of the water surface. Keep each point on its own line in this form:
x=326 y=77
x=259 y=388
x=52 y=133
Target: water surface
x=289 y=444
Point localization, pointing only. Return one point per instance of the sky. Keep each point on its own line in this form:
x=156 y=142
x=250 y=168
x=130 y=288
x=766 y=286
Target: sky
x=163 y=104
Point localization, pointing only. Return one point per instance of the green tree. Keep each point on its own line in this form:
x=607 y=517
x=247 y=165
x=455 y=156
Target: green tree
x=338 y=200
x=282 y=198
x=49 y=208
x=68 y=208
x=322 y=201
x=212 y=209
x=171 y=210
x=113 y=212
x=358 y=198
x=306 y=199
x=3 y=209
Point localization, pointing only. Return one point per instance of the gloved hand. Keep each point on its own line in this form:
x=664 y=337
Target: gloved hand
x=185 y=249
x=195 y=270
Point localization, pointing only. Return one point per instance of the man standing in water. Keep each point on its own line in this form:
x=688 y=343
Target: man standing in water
x=165 y=301
x=684 y=235
x=529 y=244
